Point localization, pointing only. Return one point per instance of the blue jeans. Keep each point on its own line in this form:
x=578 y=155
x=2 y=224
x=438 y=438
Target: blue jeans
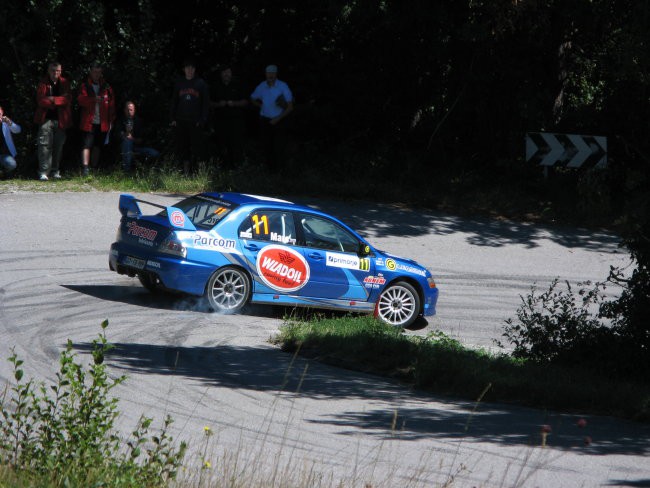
x=7 y=163
x=129 y=149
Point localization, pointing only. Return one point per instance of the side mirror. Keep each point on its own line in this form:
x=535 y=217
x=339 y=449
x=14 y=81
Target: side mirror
x=364 y=249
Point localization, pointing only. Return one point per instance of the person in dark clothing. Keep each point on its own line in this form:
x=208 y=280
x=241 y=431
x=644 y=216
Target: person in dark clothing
x=190 y=109
x=229 y=109
x=131 y=135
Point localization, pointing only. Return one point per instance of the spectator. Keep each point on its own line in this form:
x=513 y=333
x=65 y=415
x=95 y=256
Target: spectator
x=131 y=137
x=97 y=104
x=230 y=102
x=53 y=116
x=7 y=147
x=275 y=100
x=190 y=108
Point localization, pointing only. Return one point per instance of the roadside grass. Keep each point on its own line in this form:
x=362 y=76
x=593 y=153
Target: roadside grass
x=508 y=190
x=442 y=365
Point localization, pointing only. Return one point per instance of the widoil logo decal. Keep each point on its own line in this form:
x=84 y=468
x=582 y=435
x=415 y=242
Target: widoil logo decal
x=282 y=268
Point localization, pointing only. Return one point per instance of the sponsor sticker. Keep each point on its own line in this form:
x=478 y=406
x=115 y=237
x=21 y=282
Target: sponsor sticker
x=375 y=280
x=177 y=218
x=213 y=242
x=411 y=269
x=390 y=264
x=282 y=268
x=338 y=260
x=142 y=232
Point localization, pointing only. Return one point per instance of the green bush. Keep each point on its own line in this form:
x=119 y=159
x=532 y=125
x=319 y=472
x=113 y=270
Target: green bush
x=64 y=434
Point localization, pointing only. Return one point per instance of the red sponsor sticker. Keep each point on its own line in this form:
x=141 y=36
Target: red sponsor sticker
x=178 y=219
x=282 y=268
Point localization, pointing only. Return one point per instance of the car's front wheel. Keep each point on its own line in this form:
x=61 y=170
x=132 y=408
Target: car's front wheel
x=228 y=290
x=399 y=304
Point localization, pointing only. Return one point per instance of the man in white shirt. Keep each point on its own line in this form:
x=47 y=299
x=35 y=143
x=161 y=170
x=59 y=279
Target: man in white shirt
x=275 y=100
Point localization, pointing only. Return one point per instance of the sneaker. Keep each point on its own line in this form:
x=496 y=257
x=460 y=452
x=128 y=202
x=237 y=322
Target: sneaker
x=56 y=176
x=86 y=171
x=43 y=177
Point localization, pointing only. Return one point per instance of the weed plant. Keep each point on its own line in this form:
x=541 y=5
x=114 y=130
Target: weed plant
x=63 y=435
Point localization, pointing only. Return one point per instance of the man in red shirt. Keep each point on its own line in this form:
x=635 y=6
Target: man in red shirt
x=53 y=116
x=97 y=103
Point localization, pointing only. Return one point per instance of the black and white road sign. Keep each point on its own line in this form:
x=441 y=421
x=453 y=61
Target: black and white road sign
x=570 y=150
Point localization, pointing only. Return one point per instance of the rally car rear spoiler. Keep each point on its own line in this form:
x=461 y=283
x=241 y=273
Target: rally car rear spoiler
x=129 y=208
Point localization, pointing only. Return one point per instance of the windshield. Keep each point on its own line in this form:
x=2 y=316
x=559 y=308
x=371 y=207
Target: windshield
x=204 y=212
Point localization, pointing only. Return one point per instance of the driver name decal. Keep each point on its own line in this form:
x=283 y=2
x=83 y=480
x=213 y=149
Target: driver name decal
x=282 y=268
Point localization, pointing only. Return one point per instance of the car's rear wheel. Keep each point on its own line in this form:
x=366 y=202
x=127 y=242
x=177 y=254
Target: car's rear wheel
x=399 y=304
x=228 y=290
x=149 y=281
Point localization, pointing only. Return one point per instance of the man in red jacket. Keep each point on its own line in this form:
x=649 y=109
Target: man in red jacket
x=53 y=116
x=97 y=104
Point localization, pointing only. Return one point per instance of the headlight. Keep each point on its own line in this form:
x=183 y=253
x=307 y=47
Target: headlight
x=432 y=283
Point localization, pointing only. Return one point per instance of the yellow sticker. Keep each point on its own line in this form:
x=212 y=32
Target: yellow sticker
x=390 y=264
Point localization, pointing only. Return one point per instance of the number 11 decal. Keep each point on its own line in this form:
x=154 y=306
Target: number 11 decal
x=261 y=220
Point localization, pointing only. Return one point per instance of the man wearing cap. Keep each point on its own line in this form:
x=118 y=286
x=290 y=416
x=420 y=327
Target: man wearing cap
x=275 y=100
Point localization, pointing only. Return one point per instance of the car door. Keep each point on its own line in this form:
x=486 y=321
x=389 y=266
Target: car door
x=331 y=252
x=269 y=240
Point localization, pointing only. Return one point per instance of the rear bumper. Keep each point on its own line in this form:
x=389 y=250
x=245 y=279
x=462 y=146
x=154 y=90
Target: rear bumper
x=174 y=273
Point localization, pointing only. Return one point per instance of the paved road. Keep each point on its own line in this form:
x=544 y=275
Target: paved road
x=269 y=409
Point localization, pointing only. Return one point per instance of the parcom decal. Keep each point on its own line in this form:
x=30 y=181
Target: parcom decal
x=282 y=268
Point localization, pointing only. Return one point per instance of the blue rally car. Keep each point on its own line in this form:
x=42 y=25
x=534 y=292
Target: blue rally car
x=235 y=248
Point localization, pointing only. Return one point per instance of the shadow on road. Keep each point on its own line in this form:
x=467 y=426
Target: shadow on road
x=270 y=370
x=391 y=220
x=139 y=296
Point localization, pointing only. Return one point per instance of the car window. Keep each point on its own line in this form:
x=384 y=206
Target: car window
x=269 y=225
x=202 y=211
x=322 y=233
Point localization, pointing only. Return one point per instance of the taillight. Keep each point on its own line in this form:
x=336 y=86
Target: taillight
x=173 y=245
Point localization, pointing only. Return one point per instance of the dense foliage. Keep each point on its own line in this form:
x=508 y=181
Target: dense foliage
x=432 y=92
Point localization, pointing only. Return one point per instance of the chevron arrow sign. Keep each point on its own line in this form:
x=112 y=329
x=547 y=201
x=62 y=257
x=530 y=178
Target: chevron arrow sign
x=570 y=150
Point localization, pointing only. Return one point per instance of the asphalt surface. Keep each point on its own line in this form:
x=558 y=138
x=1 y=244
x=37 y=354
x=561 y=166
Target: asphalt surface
x=273 y=413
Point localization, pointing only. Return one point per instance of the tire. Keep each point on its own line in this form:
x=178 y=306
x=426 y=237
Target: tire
x=228 y=290
x=150 y=282
x=398 y=305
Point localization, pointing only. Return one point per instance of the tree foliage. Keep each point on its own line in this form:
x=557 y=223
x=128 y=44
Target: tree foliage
x=430 y=89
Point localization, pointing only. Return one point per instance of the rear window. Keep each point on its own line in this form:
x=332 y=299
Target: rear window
x=204 y=212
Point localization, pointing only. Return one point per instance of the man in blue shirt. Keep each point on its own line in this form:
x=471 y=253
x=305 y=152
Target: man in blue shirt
x=275 y=100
